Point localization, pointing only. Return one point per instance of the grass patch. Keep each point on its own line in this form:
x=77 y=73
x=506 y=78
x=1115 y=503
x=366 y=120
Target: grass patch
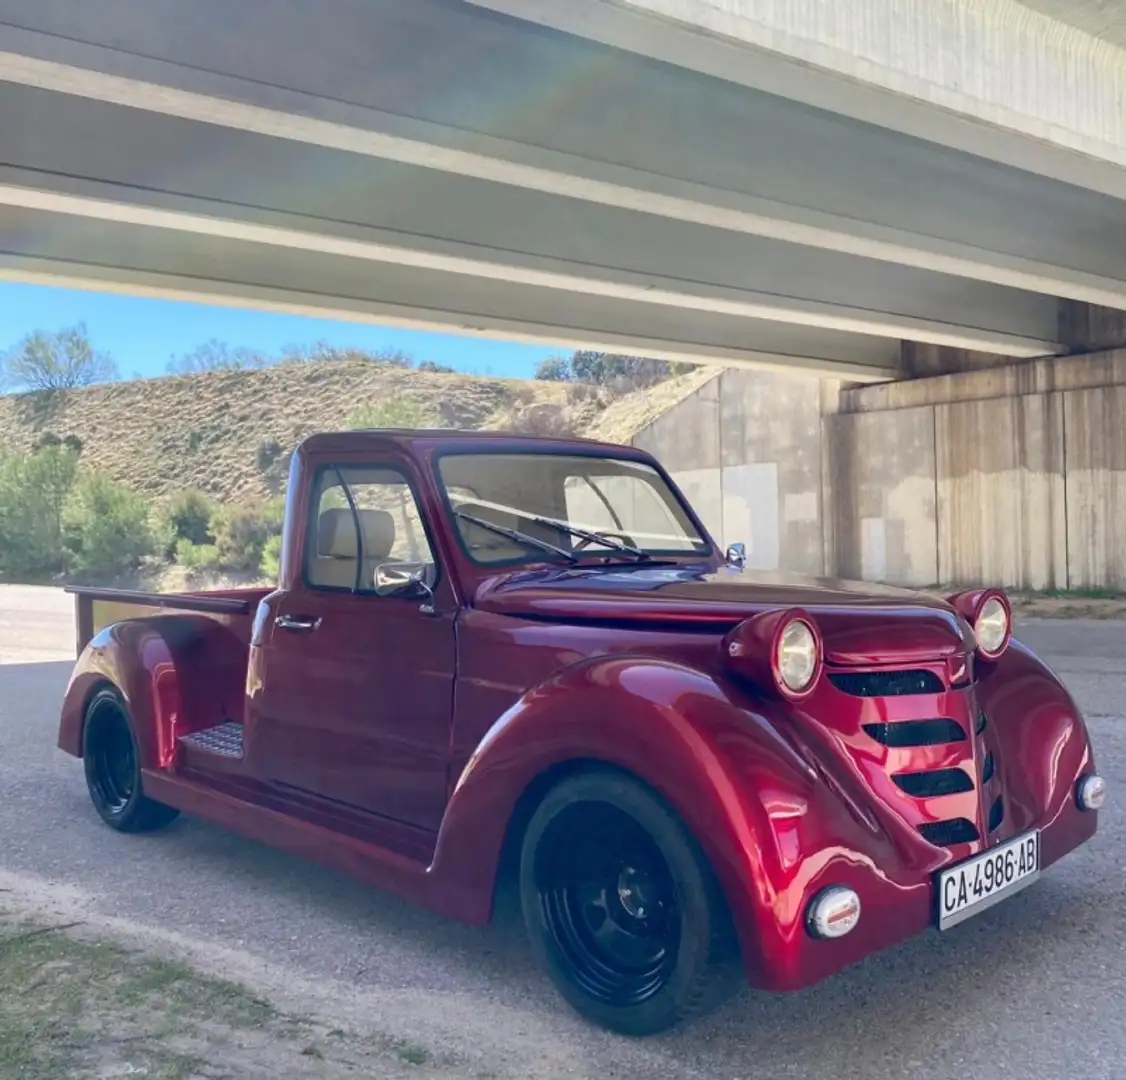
x=77 y=1008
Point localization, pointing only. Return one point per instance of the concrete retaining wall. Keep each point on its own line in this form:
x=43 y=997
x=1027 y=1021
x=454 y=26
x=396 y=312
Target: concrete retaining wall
x=1014 y=475
x=747 y=450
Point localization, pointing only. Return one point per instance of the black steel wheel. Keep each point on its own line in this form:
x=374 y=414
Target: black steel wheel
x=113 y=769
x=622 y=909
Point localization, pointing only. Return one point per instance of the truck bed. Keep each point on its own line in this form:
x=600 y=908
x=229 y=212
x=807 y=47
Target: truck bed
x=95 y=608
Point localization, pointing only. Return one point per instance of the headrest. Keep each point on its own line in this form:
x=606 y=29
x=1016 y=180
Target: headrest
x=336 y=534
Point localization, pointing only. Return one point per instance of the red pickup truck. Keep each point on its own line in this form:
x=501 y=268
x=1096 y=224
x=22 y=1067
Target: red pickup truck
x=487 y=651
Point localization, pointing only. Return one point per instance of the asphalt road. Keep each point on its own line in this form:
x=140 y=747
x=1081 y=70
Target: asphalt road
x=1034 y=988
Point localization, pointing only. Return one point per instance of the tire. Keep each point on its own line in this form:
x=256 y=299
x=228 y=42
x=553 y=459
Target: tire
x=622 y=909
x=113 y=768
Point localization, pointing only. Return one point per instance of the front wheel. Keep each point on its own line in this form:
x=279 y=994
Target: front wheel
x=622 y=908
x=113 y=768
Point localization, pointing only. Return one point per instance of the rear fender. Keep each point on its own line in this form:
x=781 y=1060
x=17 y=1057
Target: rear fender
x=726 y=771
x=176 y=673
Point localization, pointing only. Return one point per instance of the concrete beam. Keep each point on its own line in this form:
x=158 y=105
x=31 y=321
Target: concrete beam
x=987 y=228
x=991 y=78
x=147 y=212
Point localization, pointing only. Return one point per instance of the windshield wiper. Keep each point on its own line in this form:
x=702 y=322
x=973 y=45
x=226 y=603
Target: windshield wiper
x=519 y=537
x=593 y=537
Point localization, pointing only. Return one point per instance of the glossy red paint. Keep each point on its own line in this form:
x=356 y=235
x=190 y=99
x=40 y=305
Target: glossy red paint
x=405 y=742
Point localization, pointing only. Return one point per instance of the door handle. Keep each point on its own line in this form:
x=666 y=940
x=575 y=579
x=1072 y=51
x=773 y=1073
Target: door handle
x=304 y=624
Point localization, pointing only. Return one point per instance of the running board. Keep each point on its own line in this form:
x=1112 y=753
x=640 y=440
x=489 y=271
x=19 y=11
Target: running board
x=225 y=740
x=367 y=862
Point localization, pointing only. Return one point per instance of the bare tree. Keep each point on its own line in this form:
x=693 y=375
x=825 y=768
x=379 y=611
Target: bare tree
x=61 y=361
x=215 y=355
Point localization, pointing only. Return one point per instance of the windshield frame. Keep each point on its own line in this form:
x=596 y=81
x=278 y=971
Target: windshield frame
x=588 y=558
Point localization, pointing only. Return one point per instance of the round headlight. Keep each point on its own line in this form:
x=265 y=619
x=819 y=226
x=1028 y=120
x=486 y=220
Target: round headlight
x=797 y=656
x=992 y=627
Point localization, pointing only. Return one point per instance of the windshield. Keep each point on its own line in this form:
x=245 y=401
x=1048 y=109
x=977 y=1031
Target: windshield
x=511 y=507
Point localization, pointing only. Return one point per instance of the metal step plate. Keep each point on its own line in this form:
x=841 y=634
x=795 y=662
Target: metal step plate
x=224 y=740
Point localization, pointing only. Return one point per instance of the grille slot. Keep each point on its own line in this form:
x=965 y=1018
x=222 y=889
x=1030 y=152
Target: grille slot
x=988 y=767
x=979 y=723
x=934 y=782
x=903 y=733
x=996 y=814
x=886 y=683
x=944 y=833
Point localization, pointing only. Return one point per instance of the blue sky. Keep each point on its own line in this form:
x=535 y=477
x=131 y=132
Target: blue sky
x=143 y=335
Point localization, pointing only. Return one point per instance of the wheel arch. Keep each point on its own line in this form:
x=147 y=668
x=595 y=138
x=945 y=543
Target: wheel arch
x=86 y=698
x=538 y=788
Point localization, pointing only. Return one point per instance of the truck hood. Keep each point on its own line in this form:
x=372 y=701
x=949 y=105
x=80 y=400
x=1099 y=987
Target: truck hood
x=860 y=623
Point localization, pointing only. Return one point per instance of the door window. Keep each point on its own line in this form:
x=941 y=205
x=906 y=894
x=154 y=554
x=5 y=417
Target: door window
x=363 y=517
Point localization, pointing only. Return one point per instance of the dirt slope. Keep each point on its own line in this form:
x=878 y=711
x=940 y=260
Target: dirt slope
x=229 y=432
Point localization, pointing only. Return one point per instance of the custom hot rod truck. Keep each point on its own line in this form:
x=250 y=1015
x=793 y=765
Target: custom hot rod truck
x=487 y=651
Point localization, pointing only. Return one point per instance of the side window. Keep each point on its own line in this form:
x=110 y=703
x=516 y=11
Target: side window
x=362 y=517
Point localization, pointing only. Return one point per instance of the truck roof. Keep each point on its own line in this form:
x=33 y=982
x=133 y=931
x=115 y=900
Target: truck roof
x=441 y=438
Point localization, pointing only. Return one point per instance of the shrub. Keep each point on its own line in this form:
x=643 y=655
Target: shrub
x=398 y=413
x=106 y=527
x=242 y=532
x=186 y=516
x=271 y=558
x=33 y=491
x=196 y=556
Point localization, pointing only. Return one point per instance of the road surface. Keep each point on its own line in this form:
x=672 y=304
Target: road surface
x=1035 y=987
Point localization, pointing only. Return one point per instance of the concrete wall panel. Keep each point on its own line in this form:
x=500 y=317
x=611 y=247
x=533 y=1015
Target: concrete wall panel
x=687 y=436
x=1096 y=487
x=703 y=488
x=770 y=448
x=882 y=475
x=1000 y=483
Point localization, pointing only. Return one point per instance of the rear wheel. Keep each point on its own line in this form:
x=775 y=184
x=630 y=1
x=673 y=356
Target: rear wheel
x=622 y=908
x=113 y=768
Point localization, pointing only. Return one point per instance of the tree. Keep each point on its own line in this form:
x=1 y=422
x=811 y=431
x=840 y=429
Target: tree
x=554 y=369
x=215 y=355
x=612 y=370
x=56 y=362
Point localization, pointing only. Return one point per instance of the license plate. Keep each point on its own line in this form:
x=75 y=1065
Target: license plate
x=979 y=883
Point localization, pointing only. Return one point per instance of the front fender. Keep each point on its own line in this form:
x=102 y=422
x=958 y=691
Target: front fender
x=1043 y=746
x=764 y=816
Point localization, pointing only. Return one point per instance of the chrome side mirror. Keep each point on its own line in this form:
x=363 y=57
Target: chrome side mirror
x=737 y=555
x=402 y=579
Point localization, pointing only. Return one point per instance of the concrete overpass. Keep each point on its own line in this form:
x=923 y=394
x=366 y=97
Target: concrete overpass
x=807 y=185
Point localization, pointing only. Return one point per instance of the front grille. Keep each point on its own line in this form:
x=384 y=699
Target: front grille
x=886 y=683
x=996 y=814
x=944 y=833
x=987 y=768
x=934 y=782
x=904 y=733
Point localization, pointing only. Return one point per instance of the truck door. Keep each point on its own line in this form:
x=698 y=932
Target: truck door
x=356 y=698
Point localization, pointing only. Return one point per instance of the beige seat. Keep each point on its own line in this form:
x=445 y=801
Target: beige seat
x=334 y=564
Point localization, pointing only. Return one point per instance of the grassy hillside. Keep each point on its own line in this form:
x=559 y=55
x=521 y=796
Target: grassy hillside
x=230 y=433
